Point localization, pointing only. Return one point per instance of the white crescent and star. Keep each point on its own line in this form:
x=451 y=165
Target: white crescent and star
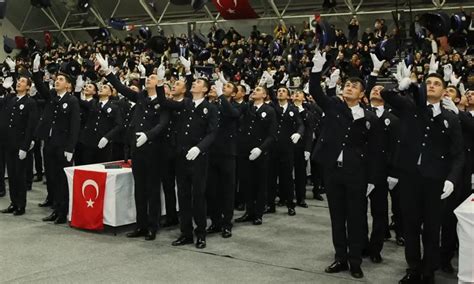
x=94 y=184
x=230 y=10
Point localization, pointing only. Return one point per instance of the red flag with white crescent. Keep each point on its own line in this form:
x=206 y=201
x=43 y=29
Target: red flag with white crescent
x=88 y=199
x=235 y=9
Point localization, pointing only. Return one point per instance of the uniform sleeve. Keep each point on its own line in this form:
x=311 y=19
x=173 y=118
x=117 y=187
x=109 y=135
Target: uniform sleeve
x=30 y=126
x=316 y=91
x=122 y=89
x=456 y=151
x=173 y=105
x=157 y=129
x=211 y=130
x=229 y=110
x=74 y=126
x=43 y=90
x=271 y=134
x=118 y=124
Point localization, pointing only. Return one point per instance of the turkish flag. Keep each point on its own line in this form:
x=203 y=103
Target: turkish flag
x=20 y=42
x=88 y=199
x=235 y=9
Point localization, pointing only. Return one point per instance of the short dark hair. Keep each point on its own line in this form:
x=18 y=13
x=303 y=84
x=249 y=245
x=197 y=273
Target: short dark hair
x=207 y=84
x=66 y=76
x=458 y=93
x=436 y=75
x=28 y=79
x=357 y=80
x=234 y=87
x=243 y=88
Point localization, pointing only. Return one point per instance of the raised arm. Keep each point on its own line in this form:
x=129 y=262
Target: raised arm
x=157 y=129
x=121 y=88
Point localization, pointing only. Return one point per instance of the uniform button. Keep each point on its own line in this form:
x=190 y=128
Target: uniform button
x=343 y=144
x=54 y=122
x=95 y=129
x=185 y=133
x=337 y=116
x=190 y=118
x=146 y=111
x=426 y=135
x=383 y=151
x=248 y=133
x=192 y=110
x=349 y=128
x=416 y=115
x=442 y=157
x=423 y=144
x=278 y=131
x=427 y=128
x=252 y=121
x=187 y=125
x=442 y=131
x=141 y=124
x=167 y=135
x=346 y=136
x=432 y=120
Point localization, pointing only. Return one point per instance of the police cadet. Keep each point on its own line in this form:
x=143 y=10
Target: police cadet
x=290 y=129
x=59 y=127
x=430 y=162
x=346 y=152
x=21 y=114
x=194 y=137
x=257 y=131
x=239 y=198
x=103 y=122
x=149 y=120
x=302 y=150
x=222 y=162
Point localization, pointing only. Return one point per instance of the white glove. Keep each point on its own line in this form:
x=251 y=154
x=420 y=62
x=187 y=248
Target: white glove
x=247 y=87
x=306 y=88
x=392 y=182
x=160 y=74
x=318 y=61
x=221 y=77
x=434 y=46
x=263 y=80
x=447 y=189
x=370 y=187
x=334 y=78
x=68 y=156
x=219 y=87
x=307 y=155
x=186 y=63
x=142 y=138
x=32 y=145
x=448 y=71
x=376 y=62
x=434 y=65
x=285 y=79
x=403 y=76
x=102 y=143
x=192 y=153
x=104 y=63
x=36 y=63
x=270 y=81
x=254 y=154
x=33 y=90
x=142 y=70
x=295 y=138
x=449 y=105
x=455 y=80
x=11 y=64
x=79 y=84
x=8 y=83
x=21 y=155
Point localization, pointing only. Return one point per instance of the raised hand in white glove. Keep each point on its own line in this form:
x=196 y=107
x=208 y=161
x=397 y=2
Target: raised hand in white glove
x=141 y=139
x=221 y=77
x=318 y=61
x=377 y=63
x=8 y=83
x=447 y=189
x=370 y=187
x=403 y=76
x=285 y=79
x=103 y=63
x=219 y=87
x=186 y=63
x=79 y=84
x=448 y=71
x=247 y=87
x=21 y=155
x=36 y=63
x=449 y=105
x=307 y=155
x=392 y=182
x=11 y=64
x=334 y=78
x=254 y=154
x=193 y=153
x=434 y=46
x=295 y=138
x=160 y=73
x=32 y=145
x=270 y=81
x=434 y=65
x=68 y=156
x=455 y=80
x=102 y=143
x=142 y=70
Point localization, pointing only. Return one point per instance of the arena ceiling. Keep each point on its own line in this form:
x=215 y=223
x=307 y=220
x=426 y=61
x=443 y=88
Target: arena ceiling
x=64 y=18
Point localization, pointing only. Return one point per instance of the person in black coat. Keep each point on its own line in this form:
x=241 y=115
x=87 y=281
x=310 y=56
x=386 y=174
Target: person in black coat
x=148 y=123
x=346 y=150
x=103 y=122
x=22 y=113
x=257 y=132
x=195 y=135
x=59 y=127
x=430 y=162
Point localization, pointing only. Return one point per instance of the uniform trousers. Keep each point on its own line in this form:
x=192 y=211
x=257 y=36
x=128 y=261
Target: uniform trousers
x=379 y=212
x=16 y=177
x=254 y=180
x=280 y=176
x=94 y=155
x=300 y=174
x=169 y=183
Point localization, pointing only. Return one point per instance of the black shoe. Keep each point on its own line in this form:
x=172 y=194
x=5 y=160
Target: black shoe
x=318 y=196
x=280 y=203
x=410 y=277
x=257 y=221
x=240 y=207
x=376 y=258
x=291 y=211
x=400 y=241
x=213 y=229
x=46 y=203
x=51 y=218
x=302 y=204
x=137 y=233
x=170 y=223
x=201 y=242
x=150 y=236
x=244 y=218
x=9 y=210
x=181 y=241
x=269 y=209
x=365 y=253
x=60 y=220
x=356 y=271
x=226 y=233
x=38 y=178
x=388 y=235
x=337 y=266
x=19 y=212
x=428 y=279
x=3 y=192
x=392 y=226
x=447 y=267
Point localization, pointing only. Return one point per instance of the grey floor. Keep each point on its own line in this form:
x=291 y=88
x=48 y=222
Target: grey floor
x=284 y=249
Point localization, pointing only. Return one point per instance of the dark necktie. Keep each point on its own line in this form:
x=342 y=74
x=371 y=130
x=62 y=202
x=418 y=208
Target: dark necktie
x=430 y=110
